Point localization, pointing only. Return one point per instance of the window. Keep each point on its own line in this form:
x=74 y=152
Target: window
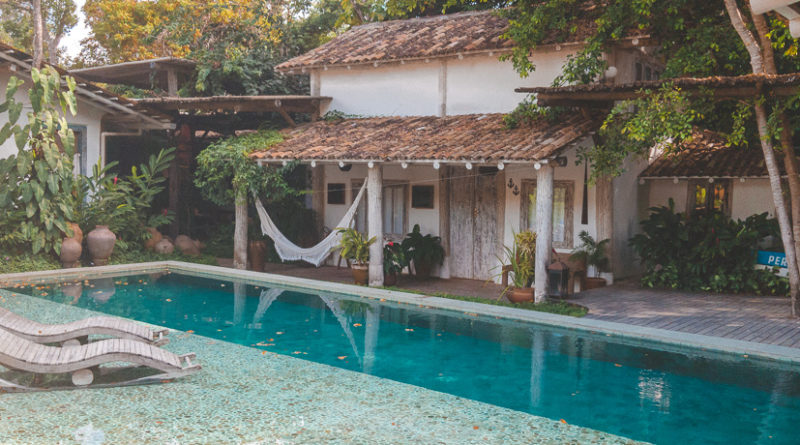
x=707 y=196
x=394 y=209
x=562 y=211
x=422 y=196
x=335 y=193
x=80 y=161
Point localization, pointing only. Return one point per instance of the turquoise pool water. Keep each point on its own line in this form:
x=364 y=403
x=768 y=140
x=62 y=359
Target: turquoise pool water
x=637 y=392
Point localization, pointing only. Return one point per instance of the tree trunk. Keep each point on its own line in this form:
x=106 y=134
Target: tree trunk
x=240 y=233
x=757 y=63
x=780 y=206
x=793 y=178
x=38 y=34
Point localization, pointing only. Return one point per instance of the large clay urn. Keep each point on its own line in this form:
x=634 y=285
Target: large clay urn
x=71 y=250
x=101 y=242
x=256 y=251
x=164 y=247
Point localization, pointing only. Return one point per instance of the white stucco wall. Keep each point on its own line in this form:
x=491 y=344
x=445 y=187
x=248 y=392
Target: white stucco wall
x=626 y=218
x=428 y=219
x=474 y=84
x=88 y=115
x=751 y=197
x=661 y=190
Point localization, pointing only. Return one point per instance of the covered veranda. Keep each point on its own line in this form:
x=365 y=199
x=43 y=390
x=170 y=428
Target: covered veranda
x=448 y=153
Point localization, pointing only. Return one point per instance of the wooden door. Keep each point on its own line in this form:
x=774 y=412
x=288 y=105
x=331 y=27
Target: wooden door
x=474 y=233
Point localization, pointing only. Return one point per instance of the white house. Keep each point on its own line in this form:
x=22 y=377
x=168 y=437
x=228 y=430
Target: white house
x=100 y=113
x=425 y=99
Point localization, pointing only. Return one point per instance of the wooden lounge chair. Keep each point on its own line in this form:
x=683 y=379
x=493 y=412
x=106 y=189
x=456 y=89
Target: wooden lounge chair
x=58 y=333
x=83 y=361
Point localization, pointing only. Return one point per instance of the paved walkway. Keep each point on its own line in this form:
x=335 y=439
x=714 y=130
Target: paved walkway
x=740 y=317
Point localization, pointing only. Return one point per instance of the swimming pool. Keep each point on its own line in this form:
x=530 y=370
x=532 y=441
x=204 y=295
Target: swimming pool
x=585 y=379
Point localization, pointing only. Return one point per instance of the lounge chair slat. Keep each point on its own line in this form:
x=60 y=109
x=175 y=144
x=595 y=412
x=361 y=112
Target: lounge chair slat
x=47 y=333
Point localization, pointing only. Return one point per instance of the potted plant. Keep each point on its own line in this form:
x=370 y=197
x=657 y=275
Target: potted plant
x=394 y=261
x=593 y=254
x=354 y=247
x=520 y=261
x=424 y=251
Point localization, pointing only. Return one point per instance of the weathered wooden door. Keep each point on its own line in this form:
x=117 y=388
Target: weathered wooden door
x=477 y=203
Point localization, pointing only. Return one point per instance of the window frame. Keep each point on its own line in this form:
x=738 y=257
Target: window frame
x=691 y=194
x=81 y=148
x=356 y=185
x=569 y=209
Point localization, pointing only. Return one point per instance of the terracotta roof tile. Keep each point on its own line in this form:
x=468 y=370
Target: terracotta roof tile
x=473 y=137
x=707 y=155
x=423 y=37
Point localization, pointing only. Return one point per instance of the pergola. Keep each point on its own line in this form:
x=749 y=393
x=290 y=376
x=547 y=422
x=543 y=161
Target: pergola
x=163 y=72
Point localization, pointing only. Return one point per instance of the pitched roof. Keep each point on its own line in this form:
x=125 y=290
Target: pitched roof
x=428 y=37
x=121 y=109
x=471 y=137
x=707 y=155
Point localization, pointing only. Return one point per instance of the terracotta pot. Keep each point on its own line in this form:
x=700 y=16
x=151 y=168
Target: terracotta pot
x=422 y=271
x=164 y=247
x=71 y=250
x=256 y=252
x=155 y=237
x=77 y=233
x=520 y=294
x=101 y=242
x=390 y=279
x=593 y=283
x=360 y=274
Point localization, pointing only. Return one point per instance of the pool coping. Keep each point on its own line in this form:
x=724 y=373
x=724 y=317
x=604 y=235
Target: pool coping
x=742 y=348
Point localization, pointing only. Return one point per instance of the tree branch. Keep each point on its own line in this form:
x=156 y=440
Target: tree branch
x=750 y=43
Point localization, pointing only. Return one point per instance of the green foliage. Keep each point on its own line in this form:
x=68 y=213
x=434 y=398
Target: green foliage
x=123 y=204
x=395 y=258
x=664 y=116
x=521 y=256
x=36 y=200
x=529 y=111
x=132 y=256
x=423 y=249
x=354 y=246
x=705 y=251
x=591 y=252
x=225 y=173
x=26 y=262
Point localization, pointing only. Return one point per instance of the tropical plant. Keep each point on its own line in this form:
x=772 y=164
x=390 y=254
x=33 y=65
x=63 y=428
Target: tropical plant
x=123 y=203
x=36 y=200
x=395 y=258
x=423 y=250
x=591 y=252
x=526 y=243
x=354 y=246
x=522 y=266
x=706 y=251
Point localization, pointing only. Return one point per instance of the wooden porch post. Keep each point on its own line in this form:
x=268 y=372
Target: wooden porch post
x=544 y=229
x=375 y=223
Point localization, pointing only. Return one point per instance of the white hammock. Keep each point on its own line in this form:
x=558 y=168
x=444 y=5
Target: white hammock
x=289 y=251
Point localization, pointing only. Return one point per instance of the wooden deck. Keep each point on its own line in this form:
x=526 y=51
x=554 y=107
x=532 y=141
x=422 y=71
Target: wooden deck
x=740 y=317
x=750 y=318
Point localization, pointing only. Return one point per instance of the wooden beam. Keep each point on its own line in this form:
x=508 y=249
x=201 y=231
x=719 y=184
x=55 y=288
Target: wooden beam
x=375 y=223
x=286 y=117
x=544 y=229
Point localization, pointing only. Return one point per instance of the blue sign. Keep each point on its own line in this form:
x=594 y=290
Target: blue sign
x=771 y=258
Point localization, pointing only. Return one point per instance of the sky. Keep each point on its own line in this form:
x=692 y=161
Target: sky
x=72 y=41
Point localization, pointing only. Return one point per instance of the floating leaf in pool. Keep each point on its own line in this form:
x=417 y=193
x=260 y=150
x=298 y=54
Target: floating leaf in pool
x=169 y=300
x=279 y=333
x=563 y=421
x=357 y=325
x=409 y=330
x=190 y=332
x=617 y=365
x=342 y=357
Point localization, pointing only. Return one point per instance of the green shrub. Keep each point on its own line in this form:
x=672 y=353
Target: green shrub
x=146 y=256
x=705 y=251
x=15 y=263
